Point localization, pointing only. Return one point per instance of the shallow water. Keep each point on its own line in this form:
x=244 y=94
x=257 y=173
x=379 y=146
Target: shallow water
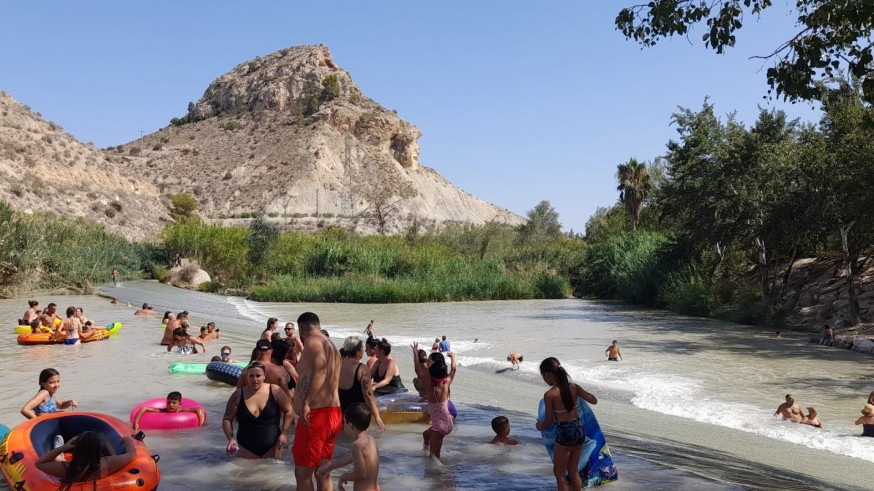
x=688 y=408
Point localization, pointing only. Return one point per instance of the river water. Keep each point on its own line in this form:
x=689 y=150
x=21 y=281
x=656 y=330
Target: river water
x=689 y=407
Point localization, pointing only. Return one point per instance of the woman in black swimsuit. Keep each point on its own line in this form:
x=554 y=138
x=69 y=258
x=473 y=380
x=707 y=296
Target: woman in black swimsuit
x=385 y=372
x=355 y=382
x=259 y=408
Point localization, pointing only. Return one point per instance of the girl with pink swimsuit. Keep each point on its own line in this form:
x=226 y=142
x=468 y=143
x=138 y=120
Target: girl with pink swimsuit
x=438 y=406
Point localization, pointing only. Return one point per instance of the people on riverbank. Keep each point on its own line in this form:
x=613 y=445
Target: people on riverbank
x=612 y=352
x=44 y=401
x=790 y=410
x=828 y=336
x=317 y=403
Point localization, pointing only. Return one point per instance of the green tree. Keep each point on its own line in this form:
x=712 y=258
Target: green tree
x=182 y=206
x=330 y=88
x=634 y=187
x=262 y=236
x=542 y=222
x=834 y=37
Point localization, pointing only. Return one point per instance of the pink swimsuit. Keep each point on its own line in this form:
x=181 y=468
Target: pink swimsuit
x=441 y=420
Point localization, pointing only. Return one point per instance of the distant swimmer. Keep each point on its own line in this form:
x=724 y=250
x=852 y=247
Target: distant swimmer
x=515 y=359
x=369 y=329
x=779 y=335
x=146 y=310
x=612 y=352
x=790 y=410
x=812 y=418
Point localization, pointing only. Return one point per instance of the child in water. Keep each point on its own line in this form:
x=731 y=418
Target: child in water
x=44 y=400
x=364 y=455
x=561 y=408
x=93 y=459
x=174 y=405
x=501 y=426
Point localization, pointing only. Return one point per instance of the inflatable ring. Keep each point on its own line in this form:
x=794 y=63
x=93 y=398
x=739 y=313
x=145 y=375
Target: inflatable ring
x=223 y=372
x=189 y=368
x=168 y=421
x=98 y=334
x=25 y=443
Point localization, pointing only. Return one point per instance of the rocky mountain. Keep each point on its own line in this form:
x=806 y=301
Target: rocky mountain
x=291 y=136
x=43 y=168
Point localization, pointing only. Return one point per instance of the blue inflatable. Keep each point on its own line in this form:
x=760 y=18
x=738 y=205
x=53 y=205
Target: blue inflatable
x=4 y=430
x=596 y=463
x=224 y=372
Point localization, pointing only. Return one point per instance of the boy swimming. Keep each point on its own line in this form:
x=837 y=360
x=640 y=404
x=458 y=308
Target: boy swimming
x=501 y=427
x=174 y=405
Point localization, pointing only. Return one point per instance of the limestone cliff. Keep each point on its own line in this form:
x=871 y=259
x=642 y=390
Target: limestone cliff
x=43 y=168
x=290 y=135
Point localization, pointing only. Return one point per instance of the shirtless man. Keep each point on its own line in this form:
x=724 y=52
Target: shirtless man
x=612 y=352
x=273 y=373
x=49 y=315
x=317 y=403
x=145 y=311
x=515 y=359
x=172 y=325
x=212 y=330
x=790 y=410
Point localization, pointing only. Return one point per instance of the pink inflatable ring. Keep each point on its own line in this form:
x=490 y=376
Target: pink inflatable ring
x=167 y=421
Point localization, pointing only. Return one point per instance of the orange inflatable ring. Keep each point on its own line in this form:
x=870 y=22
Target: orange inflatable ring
x=21 y=448
x=50 y=338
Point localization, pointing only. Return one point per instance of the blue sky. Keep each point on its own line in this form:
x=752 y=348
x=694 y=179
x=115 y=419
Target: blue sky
x=517 y=103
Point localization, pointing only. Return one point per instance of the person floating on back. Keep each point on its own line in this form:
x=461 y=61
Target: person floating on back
x=364 y=451
x=174 y=405
x=612 y=352
x=501 y=426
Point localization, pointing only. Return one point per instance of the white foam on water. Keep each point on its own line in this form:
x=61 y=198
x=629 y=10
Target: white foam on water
x=248 y=309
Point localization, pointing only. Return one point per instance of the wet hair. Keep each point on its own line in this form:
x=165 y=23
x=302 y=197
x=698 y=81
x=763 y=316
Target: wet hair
x=167 y=315
x=359 y=415
x=71 y=311
x=180 y=331
x=80 y=309
x=226 y=348
x=351 y=346
x=308 y=321
x=422 y=356
x=437 y=359
x=553 y=366
x=91 y=447
x=51 y=305
x=438 y=370
x=614 y=341
x=280 y=349
x=499 y=424
x=32 y=303
x=46 y=374
x=271 y=321
x=203 y=329
x=370 y=343
x=276 y=337
x=174 y=396
x=258 y=365
x=384 y=345
x=216 y=358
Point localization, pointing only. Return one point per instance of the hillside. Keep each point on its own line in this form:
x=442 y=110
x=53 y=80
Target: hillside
x=43 y=168
x=290 y=135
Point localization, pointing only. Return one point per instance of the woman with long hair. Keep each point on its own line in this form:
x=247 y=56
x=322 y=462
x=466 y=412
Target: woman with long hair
x=93 y=459
x=561 y=408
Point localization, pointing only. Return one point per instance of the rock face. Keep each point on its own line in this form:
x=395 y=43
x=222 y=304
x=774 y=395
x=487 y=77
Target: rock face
x=42 y=168
x=290 y=135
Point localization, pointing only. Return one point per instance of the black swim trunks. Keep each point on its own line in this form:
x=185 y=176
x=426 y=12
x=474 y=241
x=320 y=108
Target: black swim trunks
x=612 y=359
x=570 y=433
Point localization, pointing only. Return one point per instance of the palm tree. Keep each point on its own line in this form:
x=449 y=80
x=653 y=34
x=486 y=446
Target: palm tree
x=635 y=185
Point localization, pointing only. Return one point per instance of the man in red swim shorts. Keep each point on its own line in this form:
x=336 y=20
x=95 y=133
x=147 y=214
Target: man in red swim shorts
x=318 y=404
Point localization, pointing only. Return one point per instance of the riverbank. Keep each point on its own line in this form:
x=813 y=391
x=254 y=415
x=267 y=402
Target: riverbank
x=689 y=407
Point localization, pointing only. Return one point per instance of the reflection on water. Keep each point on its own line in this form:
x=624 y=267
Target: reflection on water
x=669 y=370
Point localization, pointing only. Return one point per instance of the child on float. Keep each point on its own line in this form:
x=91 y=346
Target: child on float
x=561 y=408
x=93 y=459
x=44 y=401
x=364 y=451
x=174 y=405
x=501 y=427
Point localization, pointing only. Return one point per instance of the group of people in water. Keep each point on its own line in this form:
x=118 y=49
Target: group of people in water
x=792 y=412
x=72 y=328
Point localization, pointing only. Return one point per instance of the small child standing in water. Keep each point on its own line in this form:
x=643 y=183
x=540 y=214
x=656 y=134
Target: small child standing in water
x=364 y=455
x=501 y=426
x=561 y=408
x=44 y=400
x=612 y=352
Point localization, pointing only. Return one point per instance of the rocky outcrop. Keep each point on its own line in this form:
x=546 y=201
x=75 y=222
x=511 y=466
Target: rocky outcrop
x=43 y=168
x=291 y=136
x=189 y=275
